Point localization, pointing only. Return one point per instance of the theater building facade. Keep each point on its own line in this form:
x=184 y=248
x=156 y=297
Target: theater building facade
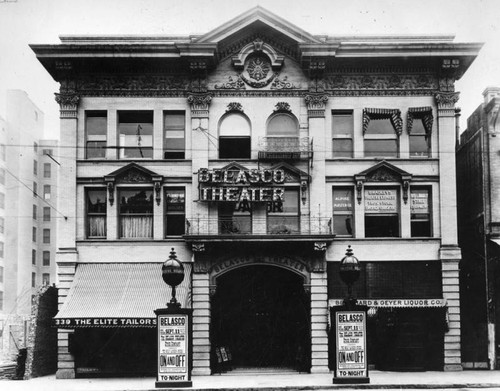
x=257 y=152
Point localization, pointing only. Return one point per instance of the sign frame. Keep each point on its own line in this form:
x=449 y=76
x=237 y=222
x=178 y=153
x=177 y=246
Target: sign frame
x=355 y=319
x=179 y=320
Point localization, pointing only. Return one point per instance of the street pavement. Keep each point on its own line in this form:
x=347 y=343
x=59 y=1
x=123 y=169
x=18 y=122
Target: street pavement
x=379 y=380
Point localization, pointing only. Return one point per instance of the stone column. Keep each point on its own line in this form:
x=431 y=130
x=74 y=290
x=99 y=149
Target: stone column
x=449 y=253
x=66 y=255
x=201 y=315
x=319 y=314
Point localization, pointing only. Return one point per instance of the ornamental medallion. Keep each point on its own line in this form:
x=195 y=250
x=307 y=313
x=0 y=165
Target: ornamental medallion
x=257 y=72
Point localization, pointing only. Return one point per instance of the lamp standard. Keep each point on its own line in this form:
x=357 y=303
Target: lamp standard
x=173 y=274
x=349 y=273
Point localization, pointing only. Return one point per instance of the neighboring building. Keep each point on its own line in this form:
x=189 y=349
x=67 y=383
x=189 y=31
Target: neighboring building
x=27 y=216
x=478 y=186
x=258 y=152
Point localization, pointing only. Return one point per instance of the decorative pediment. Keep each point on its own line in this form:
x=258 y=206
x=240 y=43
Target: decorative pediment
x=293 y=174
x=133 y=173
x=383 y=172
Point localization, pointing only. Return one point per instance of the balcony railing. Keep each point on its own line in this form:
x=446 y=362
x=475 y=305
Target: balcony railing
x=247 y=226
x=285 y=148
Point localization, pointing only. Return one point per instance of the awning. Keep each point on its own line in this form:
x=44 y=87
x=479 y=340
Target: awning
x=119 y=295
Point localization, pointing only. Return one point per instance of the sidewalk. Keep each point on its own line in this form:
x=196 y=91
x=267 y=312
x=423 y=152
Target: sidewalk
x=267 y=382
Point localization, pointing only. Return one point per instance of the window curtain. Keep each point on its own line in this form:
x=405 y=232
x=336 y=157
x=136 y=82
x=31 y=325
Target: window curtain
x=137 y=226
x=97 y=226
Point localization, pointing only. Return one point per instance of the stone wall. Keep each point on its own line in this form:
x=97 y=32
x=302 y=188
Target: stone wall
x=42 y=338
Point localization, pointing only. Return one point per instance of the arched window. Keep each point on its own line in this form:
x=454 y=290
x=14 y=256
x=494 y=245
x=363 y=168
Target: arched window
x=234 y=137
x=283 y=125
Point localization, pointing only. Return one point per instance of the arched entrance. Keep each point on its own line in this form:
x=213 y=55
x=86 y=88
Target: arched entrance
x=261 y=314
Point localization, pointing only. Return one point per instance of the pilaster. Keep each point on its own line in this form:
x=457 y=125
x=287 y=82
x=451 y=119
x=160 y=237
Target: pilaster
x=319 y=322
x=201 y=324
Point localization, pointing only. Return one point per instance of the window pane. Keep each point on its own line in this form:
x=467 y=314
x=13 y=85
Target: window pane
x=46 y=170
x=234 y=218
x=46 y=279
x=342 y=224
x=380 y=126
x=342 y=200
x=96 y=149
x=283 y=225
x=234 y=147
x=419 y=145
x=175 y=211
x=46 y=213
x=136 y=213
x=33 y=257
x=96 y=123
x=342 y=147
x=234 y=124
x=135 y=129
x=174 y=142
x=96 y=213
x=46 y=235
x=343 y=209
x=46 y=258
x=96 y=201
x=381 y=226
x=283 y=125
x=420 y=213
x=381 y=148
x=342 y=124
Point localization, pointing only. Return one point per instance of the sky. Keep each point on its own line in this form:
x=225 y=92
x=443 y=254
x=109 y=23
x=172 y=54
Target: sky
x=24 y=22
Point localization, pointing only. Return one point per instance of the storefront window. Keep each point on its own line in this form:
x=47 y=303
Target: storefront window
x=235 y=218
x=135 y=130
x=175 y=213
x=96 y=123
x=420 y=213
x=381 y=213
x=283 y=217
x=96 y=213
x=136 y=213
x=343 y=211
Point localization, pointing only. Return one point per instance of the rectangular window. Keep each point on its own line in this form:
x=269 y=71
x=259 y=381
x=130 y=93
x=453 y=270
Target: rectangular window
x=34 y=212
x=46 y=235
x=136 y=213
x=235 y=218
x=175 y=213
x=46 y=258
x=1 y=249
x=33 y=279
x=96 y=130
x=343 y=211
x=47 y=170
x=174 y=143
x=381 y=213
x=2 y=225
x=380 y=139
x=420 y=144
x=96 y=213
x=1 y=301
x=342 y=133
x=46 y=192
x=420 y=209
x=1 y=274
x=33 y=234
x=135 y=131
x=33 y=257
x=234 y=147
x=3 y=153
x=283 y=217
x=46 y=213
x=46 y=279
x=35 y=189
x=2 y=176
x=2 y=201
x=35 y=167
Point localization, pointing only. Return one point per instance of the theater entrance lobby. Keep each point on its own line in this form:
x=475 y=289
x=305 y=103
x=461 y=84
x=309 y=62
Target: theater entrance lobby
x=260 y=320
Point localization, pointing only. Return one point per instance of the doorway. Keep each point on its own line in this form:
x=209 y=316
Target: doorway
x=261 y=319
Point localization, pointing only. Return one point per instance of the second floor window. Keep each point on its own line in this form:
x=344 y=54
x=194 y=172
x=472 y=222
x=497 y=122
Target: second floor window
x=175 y=212
x=136 y=213
x=135 y=132
x=96 y=130
x=234 y=137
x=235 y=218
x=96 y=213
x=420 y=209
x=381 y=212
x=342 y=133
x=343 y=211
x=284 y=217
x=174 y=143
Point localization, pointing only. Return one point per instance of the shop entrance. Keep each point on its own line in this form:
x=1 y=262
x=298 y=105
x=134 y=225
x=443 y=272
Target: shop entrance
x=260 y=319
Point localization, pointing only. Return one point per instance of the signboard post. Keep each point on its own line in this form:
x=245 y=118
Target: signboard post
x=174 y=327
x=350 y=352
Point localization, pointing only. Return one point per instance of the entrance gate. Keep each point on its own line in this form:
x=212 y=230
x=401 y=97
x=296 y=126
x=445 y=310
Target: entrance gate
x=261 y=317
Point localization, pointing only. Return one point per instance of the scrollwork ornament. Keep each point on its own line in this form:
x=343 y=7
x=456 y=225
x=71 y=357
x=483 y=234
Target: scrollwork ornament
x=316 y=101
x=283 y=107
x=234 y=106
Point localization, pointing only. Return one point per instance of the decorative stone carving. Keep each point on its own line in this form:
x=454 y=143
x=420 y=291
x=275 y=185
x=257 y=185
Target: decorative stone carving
x=392 y=81
x=234 y=106
x=200 y=266
x=68 y=104
x=320 y=246
x=199 y=104
x=359 y=191
x=157 y=187
x=134 y=176
x=232 y=84
x=282 y=84
x=282 y=107
x=198 y=247
x=383 y=174
x=111 y=192
x=316 y=104
x=446 y=100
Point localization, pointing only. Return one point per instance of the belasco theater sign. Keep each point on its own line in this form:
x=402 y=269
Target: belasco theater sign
x=242 y=186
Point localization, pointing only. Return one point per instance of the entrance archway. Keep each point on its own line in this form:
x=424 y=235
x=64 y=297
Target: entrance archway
x=261 y=316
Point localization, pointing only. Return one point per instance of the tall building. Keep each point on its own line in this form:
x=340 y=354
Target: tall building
x=258 y=152
x=27 y=203
x=478 y=186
